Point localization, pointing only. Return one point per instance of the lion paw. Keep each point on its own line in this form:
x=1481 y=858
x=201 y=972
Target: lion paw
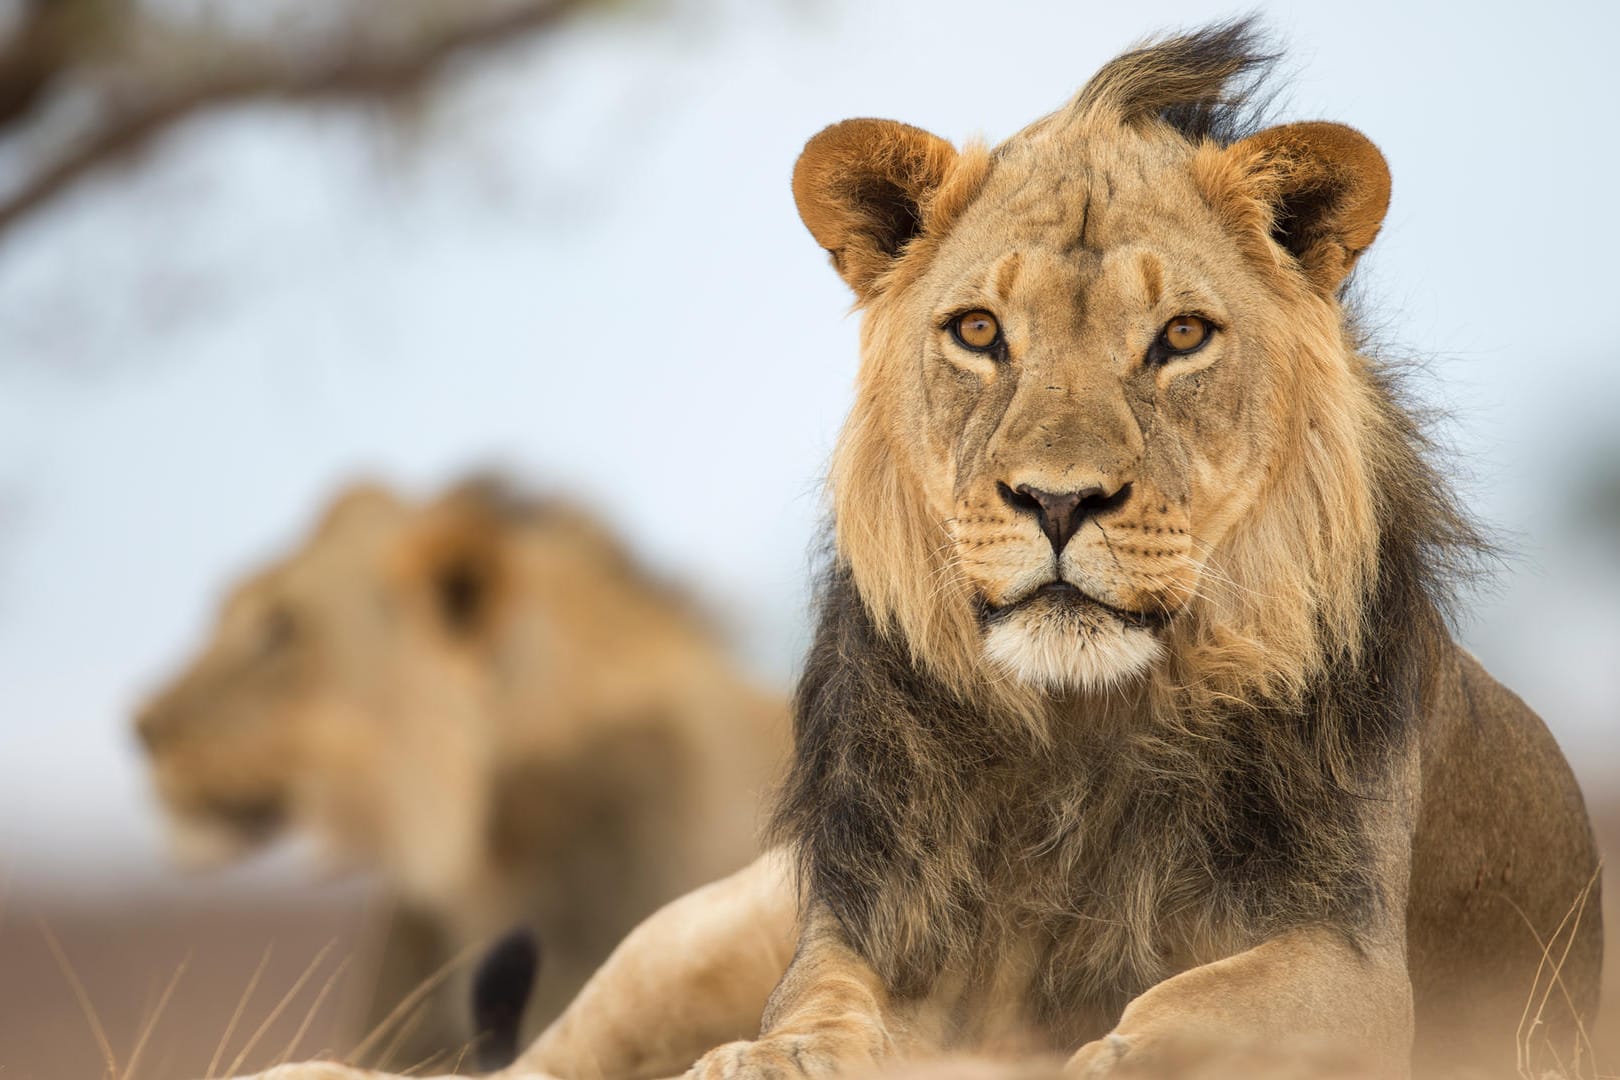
x=777 y=1057
x=1098 y=1058
x=313 y=1070
x=1201 y=1056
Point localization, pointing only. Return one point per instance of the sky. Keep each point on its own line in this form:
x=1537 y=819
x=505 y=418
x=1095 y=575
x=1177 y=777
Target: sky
x=584 y=265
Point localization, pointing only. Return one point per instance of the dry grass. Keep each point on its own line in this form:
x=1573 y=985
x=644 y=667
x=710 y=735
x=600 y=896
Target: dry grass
x=138 y=992
x=105 y=991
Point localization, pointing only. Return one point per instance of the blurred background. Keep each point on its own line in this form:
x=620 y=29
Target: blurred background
x=253 y=250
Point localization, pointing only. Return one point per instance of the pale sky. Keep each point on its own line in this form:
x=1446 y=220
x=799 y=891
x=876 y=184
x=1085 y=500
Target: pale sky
x=587 y=267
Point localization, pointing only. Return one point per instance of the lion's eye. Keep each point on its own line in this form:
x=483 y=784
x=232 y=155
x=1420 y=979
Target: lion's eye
x=1184 y=334
x=977 y=330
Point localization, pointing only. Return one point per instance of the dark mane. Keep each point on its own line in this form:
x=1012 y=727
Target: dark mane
x=916 y=814
x=1209 y=83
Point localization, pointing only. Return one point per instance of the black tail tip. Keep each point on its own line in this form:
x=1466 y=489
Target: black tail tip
x=500 y=992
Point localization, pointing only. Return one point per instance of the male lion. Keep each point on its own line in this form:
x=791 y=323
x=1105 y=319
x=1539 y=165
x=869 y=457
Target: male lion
x=1133 y=727
x=486 y=701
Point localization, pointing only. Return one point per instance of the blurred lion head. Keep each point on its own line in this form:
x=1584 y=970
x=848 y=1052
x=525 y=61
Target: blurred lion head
x=369 y=686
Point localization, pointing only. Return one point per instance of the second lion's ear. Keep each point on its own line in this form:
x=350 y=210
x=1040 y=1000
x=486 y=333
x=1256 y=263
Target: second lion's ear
x=463 y=590
x=452 y=564
x=864 y=189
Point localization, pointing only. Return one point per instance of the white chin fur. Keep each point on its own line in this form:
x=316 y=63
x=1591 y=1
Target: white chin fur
x=1064 y=653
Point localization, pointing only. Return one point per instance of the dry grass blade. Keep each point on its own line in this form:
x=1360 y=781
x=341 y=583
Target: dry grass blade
x=421 y=1067
x=152 y=1020
x=309 y=1016
x=412 y=1022
x=1529 y=1023
x=241 y=1006
x=358 y=1055
x=1521 y=1037
x=1583 y=1041
x=433 y=1060
x=281 y=1006
x=83 y=996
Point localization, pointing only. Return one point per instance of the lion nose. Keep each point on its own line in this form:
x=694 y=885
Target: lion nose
x=1061 y=513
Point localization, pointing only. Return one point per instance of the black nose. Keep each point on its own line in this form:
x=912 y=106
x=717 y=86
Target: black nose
x=1061 y=513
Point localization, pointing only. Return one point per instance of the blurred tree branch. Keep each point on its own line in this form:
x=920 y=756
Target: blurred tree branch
x=133 y=73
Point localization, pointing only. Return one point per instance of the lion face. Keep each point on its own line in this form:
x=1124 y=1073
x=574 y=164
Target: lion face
x=230 y=739
x=1099 y=363
x=383 y=687
x=345 y=690
x=1083 y=466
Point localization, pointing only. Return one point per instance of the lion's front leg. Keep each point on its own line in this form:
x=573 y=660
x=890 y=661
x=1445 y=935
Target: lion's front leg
x=1306 y=998
x=694 y=974
x=829 y=1015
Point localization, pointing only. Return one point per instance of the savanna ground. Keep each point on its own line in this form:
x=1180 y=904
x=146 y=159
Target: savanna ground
x=240 y=987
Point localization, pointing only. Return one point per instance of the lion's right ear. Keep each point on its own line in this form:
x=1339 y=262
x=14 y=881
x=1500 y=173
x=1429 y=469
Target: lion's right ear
x=864 y=189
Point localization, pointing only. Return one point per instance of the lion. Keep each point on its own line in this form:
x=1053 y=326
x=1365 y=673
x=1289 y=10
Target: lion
x=1133 y=728
x=484 y=700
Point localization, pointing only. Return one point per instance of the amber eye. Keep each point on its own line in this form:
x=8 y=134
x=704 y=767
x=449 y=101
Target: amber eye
x=1184 y=334
x=977 y=330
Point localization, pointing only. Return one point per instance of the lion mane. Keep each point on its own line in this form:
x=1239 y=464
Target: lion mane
x=1226 y=789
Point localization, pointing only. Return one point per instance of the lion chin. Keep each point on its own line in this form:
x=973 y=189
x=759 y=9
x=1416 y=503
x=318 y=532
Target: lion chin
x=197 y=843
x=1056 y=645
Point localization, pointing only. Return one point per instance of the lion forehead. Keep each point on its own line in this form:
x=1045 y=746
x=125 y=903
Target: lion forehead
x=1084 y=201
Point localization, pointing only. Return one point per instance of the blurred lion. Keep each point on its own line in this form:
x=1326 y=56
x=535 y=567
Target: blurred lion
x=487 y=702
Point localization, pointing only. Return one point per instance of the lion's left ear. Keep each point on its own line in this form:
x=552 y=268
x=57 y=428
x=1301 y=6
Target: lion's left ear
x=452 y=562
x=864 y=189
x=1319 y=190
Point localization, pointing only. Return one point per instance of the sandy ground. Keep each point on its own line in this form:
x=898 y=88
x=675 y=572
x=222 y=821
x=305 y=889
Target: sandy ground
x=126 y=954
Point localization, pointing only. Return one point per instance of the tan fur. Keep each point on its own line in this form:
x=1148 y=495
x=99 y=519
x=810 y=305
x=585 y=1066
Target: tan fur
x=1011 y=827
x=1249 y=598
x=1243 y=802
x=486 y=703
